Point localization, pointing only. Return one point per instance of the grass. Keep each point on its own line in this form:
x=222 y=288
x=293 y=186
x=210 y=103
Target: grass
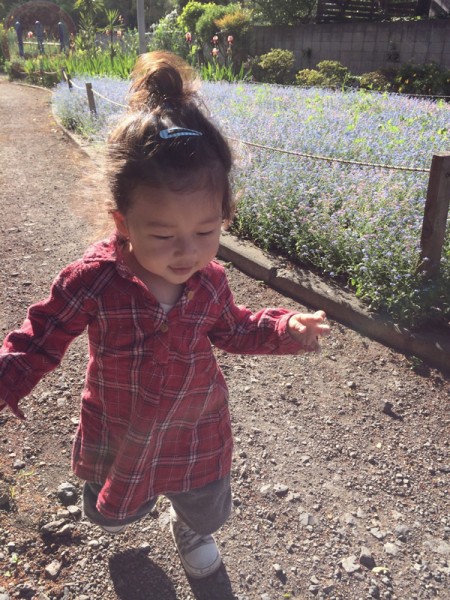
x=358 y=225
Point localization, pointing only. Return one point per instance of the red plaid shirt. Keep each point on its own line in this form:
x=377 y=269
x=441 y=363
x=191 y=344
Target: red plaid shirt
x=154 y=413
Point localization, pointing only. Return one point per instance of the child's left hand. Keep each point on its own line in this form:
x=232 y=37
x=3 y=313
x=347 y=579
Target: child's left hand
x=307 y=328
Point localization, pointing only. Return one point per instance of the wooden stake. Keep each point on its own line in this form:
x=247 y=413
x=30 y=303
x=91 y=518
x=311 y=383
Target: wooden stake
x=435 y=215
x=91 y=99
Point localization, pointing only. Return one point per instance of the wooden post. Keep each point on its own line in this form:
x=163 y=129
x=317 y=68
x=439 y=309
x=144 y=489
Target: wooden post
x=91 y=99
x=435 y=215
x=67 y=78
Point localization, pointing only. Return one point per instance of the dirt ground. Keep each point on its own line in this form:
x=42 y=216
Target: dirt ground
x=341 y=469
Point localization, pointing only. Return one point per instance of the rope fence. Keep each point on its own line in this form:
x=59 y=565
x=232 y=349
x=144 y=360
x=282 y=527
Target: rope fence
x=438 y=193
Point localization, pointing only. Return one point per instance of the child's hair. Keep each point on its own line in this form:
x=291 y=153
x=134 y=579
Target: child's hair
x=149 y=147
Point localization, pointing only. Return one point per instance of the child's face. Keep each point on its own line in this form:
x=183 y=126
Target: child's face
x=172 y=234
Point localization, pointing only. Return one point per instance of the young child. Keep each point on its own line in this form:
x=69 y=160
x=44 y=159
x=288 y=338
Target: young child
x=154 y=414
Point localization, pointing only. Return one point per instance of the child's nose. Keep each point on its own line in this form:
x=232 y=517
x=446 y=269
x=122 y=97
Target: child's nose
x=186 y=246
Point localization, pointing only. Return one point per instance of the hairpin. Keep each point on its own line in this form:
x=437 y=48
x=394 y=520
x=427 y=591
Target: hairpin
x=175 y=132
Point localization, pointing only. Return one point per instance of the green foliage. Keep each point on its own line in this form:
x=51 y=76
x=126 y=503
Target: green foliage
x=285 y=12
x=190 y=15
x=36 y=71
x=206 y=26
x=328 y=73
x=15 y=70
x=275 y=66
x=214 y=71
x=85 y=39
x=310 y=78
x=238 y=24
x=169 y=35
x=334 y=72
x=423 y=79
x=429 y=79
x=375 y=80
x=47 y=70
x=4 y=49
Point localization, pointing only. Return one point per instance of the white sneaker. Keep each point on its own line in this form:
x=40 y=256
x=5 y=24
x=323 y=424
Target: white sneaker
x=113 y=529
x=198 y=553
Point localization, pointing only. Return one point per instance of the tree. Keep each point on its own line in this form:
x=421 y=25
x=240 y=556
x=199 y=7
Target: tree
x=284 y=12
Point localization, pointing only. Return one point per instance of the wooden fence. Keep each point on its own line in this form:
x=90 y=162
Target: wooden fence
x=336 y=11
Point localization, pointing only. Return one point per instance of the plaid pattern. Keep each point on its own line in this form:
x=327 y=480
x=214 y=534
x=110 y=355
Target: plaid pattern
x=154 y=413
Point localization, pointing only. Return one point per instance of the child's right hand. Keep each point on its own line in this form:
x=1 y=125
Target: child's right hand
x=307 y=328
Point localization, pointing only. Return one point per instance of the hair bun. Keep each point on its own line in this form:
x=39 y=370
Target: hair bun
x=160 y=80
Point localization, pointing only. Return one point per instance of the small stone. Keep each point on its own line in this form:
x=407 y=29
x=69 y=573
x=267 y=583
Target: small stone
x=351 y=564
x=402 y=532
x=391 y=549
x=377 y=533
x=374 y=591
x=280 y=489
x=306 y=519
x=366 y=558
x=277 y=568
x=19 y=464
x=4 y=497
x=58 y=528
x=11 y=547
x=349 y=519
x=351 y=385
x=74 y=511
x=52 y=570
x=67 y=493
x=265 y=490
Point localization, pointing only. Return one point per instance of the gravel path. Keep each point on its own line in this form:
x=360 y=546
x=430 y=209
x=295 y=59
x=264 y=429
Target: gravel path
x=342 y=464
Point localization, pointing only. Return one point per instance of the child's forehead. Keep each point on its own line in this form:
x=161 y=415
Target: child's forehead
x=166 y=200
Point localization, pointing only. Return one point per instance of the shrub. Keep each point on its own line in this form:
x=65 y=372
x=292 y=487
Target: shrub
x=4 y=49
x=206 y=26
x=238 y=25
x=310 y=78
x=423 y=79
x=190 y=15
x=328 y=73
x=15 y=70
x=168 y=35
x=375 y=80
x=334 y=72
x=275 y=66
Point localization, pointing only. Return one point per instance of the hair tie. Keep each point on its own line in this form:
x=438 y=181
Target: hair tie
x=175 y=132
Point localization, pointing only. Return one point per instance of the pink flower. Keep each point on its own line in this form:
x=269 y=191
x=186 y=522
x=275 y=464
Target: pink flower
x=188 y=37
x=215 y=39
x=230 y=39
x=119 y=33
x=29 y=35
x=215 y=52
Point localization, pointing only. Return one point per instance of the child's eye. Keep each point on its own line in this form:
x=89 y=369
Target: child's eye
x=161 y=237
x=206 y=232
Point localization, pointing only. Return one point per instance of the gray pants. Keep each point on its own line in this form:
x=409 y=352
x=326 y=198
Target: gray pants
x=204 y=510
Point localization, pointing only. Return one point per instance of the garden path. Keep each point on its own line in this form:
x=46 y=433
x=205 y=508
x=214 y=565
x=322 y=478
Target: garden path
x=342 y=462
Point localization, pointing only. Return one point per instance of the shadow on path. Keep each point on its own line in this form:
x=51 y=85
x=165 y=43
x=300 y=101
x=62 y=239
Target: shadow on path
x=136 y=577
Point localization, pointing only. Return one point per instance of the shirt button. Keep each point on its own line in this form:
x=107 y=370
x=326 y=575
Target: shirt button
x=164 y=328
x=190 y=295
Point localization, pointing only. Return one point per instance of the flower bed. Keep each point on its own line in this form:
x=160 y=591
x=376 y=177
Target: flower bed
x=358 y=224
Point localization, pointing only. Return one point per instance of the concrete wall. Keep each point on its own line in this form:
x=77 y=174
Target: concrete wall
x=360 y=46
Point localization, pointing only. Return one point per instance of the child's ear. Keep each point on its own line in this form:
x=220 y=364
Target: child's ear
x=121 y=223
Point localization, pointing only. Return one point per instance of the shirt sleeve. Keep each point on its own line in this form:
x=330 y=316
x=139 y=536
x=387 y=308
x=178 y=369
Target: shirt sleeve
x=239 y=330
x=38 y=347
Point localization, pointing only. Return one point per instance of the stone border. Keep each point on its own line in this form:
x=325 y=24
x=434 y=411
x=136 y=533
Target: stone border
x=431 y=346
